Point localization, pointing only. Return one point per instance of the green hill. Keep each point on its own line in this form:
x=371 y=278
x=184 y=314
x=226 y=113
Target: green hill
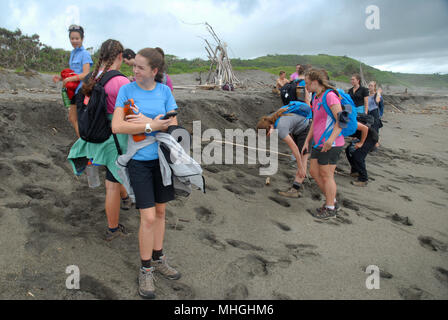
x=19 y=51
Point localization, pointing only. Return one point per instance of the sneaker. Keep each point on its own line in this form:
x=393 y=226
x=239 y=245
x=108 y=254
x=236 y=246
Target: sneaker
x=337 y=207
x=354 y=174
x=121 y=232
x=291 y=193
x=126 y=203
x=162 y=267
x=146 y=287
x=324 y=213
x=359 y=183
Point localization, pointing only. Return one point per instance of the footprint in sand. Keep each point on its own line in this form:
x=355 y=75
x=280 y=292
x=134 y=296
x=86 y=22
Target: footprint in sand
x=237 y=292
x=243 y=245
x=100 y=291
x=442 y=275
x=399 y=219
x=300 y=250
x=205 y=215
x=432 y=244
x=280 y=201
x=250 y=266
x=413 y=293
x=280 y=296
x=209 y=238
x=282 y=226
x=238 y=189
x=407 y=198
x=179 y=289
x=34 y=192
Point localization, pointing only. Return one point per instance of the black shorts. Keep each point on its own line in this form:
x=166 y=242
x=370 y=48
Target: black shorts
x=300 y=139
x=325 y=158
x=146 y=180
x=73 y=99
x=110 y=177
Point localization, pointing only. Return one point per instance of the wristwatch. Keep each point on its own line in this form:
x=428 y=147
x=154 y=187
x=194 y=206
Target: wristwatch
x=148 y=128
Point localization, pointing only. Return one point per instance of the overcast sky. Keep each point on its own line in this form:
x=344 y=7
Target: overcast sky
x=412 y=34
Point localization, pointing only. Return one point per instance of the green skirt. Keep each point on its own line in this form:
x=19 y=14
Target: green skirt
x=104 y=154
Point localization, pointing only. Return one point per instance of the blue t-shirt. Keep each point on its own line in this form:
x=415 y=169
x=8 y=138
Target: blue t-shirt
x=151 y=103
x=78 y=58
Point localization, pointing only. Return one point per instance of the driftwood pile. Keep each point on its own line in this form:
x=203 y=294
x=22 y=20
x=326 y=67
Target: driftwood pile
x=221 y=71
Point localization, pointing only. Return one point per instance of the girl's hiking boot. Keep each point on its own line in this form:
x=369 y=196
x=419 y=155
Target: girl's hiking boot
x=324 y=213
x=359 y=183
x=121 y=232
x=162 y=267
x=291 y=193
x=126 y=203
x=146 y=287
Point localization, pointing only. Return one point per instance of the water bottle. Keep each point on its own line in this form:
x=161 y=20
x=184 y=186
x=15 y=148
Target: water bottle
x=93 y=177
x=65 y=98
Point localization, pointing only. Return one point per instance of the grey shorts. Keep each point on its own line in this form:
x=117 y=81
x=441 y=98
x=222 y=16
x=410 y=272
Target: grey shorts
x=325 y=158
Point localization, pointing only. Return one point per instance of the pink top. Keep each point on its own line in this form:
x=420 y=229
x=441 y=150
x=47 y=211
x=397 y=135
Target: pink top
x=169 y=83
x=322 y=120
x=112 y=87
x=294 y=76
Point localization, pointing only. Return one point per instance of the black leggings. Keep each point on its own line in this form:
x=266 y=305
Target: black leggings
x=358 y=159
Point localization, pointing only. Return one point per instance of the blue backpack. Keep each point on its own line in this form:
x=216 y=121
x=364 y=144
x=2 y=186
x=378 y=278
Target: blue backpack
x=347 y=118
x=297 y=107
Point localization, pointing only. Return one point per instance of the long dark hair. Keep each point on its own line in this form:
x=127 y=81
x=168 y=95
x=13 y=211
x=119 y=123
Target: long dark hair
x=109 y=51
x=321 y=76
x=155 y=60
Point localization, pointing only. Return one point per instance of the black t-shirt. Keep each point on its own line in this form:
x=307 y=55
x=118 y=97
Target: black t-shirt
x=359 y=95
x=372 y=136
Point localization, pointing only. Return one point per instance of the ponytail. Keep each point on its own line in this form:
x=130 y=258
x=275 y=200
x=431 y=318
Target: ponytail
x=109 y=51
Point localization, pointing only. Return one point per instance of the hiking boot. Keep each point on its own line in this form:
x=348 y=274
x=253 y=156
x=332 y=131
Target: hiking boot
x=121 y=232
x=324 y=213
x=146 y=287
x=126 y=203
x=337 y=207
x=162 y=267
x=291 y=193
x=359 y=183
x=354 y=174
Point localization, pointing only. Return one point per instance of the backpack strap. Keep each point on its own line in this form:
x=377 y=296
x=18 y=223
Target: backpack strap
x=109 y=75
x=117 y=145
x=325 y=134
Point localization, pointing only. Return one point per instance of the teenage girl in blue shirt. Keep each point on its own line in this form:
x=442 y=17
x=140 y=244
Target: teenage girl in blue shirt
x=153 y=100
x=80 y=62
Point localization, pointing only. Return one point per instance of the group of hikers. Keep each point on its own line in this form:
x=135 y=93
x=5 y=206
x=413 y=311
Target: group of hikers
x=150 y=89
x=143 y=104
x=318 y=135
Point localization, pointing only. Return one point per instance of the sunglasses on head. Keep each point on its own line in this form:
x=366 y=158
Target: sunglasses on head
x=74 y=27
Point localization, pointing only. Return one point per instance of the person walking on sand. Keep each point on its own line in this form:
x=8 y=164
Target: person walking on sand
x=359 y=94
x=296 y=75
x=105 y=153
x=375 y=100
x=80 y=62
x=153 y=100
x=292 y=129
x=325 y=153
x=280 y=82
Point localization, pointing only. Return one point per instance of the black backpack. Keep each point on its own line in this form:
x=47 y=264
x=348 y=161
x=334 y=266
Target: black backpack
x=288 y=92
x=93 y=124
